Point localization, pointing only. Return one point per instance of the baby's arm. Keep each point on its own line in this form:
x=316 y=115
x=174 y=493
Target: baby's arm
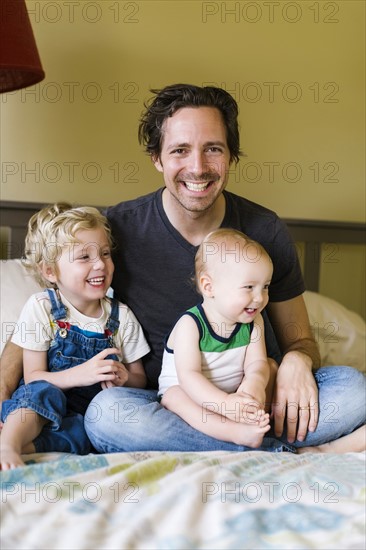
x=215 y=425
x=187 y=358
x=256 y=368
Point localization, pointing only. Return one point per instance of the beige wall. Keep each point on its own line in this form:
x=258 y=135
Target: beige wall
x=295 y=68
x=343 y=276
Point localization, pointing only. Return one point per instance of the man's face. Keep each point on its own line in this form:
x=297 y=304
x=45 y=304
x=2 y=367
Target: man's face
x=194 y=157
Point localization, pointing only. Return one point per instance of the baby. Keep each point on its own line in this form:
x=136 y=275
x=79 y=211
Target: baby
x=215 y=373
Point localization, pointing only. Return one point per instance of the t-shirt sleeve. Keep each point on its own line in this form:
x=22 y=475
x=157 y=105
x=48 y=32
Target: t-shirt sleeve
x=130 y=337
x=33 y=330
x=287 y=281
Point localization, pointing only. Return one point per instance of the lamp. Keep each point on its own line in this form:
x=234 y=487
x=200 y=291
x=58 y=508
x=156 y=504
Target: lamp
x=20 y=64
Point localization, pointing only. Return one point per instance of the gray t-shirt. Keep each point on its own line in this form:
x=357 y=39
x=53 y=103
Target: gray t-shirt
x=154 y=264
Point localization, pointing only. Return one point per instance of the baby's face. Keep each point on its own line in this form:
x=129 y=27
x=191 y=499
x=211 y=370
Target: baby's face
x=240 y=280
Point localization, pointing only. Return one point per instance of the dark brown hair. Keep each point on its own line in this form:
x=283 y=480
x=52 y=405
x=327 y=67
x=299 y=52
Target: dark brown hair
x=170 y=99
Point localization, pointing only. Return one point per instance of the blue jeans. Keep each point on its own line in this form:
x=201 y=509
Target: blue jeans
x=65 y=430
x=130 y=419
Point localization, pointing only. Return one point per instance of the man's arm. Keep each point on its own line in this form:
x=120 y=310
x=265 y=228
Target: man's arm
x=296 y=393
x=11 y=369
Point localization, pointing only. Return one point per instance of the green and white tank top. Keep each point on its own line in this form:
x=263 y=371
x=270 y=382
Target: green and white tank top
x=222 y=358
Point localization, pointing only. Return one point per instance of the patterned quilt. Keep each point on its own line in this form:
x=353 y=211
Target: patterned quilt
x=217 y=500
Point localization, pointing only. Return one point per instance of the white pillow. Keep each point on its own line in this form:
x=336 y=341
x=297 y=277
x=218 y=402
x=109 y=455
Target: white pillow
x=16 y=285
x=340 y=333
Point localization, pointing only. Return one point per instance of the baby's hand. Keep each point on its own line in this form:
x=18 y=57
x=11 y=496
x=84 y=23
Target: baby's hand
x=243 y=407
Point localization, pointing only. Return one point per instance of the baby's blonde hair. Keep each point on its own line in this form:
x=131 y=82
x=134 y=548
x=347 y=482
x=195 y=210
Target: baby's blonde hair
x=52 y=228
x=212 y=247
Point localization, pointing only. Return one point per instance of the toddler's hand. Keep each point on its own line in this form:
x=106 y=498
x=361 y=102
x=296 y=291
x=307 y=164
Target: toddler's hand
x=97 y=369
x=120 y=380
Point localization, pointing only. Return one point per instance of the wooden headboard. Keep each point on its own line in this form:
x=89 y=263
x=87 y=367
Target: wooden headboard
x=312 y=233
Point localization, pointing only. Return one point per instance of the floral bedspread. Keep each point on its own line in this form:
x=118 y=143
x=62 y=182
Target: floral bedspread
x=214 y=500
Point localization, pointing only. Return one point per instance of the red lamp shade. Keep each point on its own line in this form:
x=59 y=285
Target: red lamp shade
x=20 y=64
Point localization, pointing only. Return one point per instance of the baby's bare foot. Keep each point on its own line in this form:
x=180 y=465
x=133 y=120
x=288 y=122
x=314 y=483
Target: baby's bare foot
x=251 y=435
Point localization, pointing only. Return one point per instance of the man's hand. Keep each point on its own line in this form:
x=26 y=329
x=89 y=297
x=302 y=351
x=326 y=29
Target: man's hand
x=295 y=397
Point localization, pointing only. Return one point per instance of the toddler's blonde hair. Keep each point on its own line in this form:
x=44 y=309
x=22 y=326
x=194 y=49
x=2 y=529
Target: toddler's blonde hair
x=54 y=227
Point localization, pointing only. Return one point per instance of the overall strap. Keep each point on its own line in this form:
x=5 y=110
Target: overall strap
x=58 y=309
x=112 y=325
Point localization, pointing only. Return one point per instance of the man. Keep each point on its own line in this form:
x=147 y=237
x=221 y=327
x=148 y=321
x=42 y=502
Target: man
x=192 y=136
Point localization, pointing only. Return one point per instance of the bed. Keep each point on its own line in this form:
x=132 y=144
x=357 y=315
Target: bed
x=215 y=500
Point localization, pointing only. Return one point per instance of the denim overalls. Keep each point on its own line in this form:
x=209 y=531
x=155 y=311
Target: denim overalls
x=64 y=409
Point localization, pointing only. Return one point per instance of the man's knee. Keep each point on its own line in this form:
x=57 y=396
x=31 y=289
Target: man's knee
x=122 y=406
